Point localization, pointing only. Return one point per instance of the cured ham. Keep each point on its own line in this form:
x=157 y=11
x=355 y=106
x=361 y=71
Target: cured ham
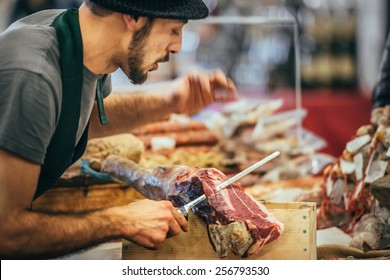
x=236 y=222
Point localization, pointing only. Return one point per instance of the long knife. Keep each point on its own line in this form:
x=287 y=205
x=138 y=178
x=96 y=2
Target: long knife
x=185 y=208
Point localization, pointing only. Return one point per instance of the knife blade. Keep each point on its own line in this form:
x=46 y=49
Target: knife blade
x=185 y=208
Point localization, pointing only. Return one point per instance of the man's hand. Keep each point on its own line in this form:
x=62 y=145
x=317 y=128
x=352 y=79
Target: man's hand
x=148 y=223
x=196 y=90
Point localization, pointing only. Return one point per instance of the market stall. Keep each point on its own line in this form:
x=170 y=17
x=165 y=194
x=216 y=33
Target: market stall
x=325 y=196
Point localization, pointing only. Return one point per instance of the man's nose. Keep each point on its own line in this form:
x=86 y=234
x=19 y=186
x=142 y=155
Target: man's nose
x=175 y=45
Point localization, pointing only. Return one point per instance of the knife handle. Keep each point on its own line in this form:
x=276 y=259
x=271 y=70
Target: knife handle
x=182 y=211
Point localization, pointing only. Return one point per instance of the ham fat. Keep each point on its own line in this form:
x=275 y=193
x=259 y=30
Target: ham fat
x=236 y=222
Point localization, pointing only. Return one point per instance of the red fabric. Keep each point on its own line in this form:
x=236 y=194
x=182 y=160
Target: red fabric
x=335 y=116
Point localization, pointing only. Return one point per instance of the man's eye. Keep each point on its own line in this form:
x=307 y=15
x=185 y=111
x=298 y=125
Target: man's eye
x=174 y=32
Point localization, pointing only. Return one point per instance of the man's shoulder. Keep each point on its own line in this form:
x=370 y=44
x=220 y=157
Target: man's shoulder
x=38 y=19
x=36 y=27
x=30 y=44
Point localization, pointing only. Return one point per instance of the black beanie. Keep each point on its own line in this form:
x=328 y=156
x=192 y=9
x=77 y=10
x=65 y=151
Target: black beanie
x=173 y=9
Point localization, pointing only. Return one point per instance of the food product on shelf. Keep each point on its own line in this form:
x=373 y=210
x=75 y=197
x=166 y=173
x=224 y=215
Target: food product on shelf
x=347 y=197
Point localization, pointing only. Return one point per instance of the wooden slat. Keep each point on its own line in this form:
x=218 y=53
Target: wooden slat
x=298 y=241
x=77 y=199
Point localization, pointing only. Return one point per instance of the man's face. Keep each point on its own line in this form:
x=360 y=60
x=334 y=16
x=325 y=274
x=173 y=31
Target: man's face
x=152 y=44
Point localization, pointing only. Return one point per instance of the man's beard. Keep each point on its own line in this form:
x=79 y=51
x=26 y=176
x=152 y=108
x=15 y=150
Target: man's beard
x=134 y=63
x=136 y=55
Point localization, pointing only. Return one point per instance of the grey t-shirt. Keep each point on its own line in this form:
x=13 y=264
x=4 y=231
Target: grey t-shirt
x=31 y=87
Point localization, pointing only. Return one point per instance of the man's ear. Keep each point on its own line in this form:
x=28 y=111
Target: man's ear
x=131 y=22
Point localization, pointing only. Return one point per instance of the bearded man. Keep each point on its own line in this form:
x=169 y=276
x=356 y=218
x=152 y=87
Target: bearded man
x=55 y=90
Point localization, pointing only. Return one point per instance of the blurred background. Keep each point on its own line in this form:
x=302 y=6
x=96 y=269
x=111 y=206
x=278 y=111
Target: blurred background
x=326 y=51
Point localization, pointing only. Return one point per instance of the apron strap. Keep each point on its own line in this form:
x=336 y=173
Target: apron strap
x=61 y=152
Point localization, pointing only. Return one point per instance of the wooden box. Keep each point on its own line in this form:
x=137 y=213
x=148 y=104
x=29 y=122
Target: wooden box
x=298 y=241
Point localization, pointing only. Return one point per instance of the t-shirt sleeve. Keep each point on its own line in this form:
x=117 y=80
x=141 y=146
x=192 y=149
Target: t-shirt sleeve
x=29 y=111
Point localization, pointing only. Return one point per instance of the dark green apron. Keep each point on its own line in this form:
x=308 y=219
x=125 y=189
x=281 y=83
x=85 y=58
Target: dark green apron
x=62 y=151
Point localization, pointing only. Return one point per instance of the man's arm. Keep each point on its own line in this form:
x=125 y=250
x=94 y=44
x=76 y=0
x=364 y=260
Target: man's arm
x=191 y=93
x=28 y=234
x=125 y=112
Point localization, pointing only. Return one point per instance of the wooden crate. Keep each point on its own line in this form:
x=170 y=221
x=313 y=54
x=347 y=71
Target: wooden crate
x=298 y=241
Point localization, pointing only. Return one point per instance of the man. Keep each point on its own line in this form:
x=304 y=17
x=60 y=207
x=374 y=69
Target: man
x=53 y=66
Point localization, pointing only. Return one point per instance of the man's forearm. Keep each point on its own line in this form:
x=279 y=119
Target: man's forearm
x=187 y=95
x=31 y=234
x=125 y=112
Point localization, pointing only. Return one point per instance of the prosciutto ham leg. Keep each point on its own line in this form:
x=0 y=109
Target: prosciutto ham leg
x=236 y=222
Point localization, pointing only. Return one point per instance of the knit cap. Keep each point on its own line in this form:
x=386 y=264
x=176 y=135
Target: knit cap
x=172 y=9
